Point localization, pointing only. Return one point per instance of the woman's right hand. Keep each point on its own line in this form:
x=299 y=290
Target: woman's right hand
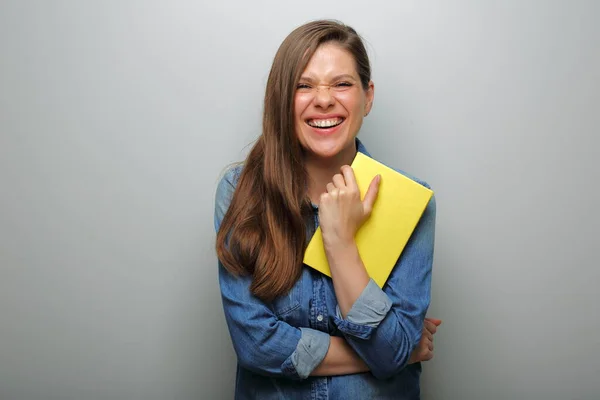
x=424 y=350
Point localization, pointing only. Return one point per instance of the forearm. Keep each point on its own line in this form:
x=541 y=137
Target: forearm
x=348 y=272
x=387 y=350
x=340 y=359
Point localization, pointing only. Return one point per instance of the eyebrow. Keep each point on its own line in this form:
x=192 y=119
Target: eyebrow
x=335 y=78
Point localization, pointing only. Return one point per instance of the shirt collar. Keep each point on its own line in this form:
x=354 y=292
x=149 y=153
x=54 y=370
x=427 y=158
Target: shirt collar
x=361 y=147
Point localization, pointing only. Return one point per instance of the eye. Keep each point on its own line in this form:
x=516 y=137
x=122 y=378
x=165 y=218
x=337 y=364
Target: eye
x=303 y=86
x=343 y=85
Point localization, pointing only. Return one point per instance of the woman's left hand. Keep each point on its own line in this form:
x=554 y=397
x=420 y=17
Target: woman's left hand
x=424 y=350
x=341 y=210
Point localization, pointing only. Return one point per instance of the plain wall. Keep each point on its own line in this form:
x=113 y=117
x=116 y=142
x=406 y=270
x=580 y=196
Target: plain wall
x=117 y=118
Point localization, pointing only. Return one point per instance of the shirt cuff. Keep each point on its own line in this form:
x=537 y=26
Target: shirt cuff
x=366 y=313
x=310 y=351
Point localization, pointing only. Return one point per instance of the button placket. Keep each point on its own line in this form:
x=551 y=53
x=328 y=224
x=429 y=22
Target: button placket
x=317 y=314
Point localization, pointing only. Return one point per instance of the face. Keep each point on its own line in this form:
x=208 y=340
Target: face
x=330 y=103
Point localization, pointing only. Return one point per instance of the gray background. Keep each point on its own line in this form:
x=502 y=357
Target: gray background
x=117 y=117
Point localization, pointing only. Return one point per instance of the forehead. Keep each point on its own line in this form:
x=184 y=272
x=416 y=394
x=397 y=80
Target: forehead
x=330 y=58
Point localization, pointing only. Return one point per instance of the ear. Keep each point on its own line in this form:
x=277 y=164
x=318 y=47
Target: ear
x=370 y=92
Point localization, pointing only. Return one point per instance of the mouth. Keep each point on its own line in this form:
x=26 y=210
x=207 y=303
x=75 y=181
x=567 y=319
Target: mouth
x=325 y=123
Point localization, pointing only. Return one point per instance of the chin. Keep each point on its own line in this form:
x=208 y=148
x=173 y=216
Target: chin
x=324 y=153
x=326 y=144
x=326 y=150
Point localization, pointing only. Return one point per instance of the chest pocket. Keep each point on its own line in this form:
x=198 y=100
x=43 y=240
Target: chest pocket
x=288 y=306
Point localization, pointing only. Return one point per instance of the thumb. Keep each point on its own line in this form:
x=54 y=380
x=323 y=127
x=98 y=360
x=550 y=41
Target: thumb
x=371 y=195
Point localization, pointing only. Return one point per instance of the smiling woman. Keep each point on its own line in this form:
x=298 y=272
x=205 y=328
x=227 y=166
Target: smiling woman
x=299 y=334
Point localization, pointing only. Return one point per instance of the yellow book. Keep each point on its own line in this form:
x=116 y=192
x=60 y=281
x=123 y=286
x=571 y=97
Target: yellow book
x=396 y=212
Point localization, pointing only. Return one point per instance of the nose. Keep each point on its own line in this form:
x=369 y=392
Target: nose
x=323 y=97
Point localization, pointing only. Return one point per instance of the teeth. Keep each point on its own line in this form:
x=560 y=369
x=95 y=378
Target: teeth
x=324 y=123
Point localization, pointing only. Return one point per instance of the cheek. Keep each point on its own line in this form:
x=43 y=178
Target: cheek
x=300 y=104
x=352 y=103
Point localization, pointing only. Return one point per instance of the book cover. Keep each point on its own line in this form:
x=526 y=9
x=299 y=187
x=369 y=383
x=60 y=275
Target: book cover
x=396 y=212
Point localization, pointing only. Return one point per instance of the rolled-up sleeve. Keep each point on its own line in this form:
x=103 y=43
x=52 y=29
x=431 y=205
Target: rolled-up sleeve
x=309 y=353
x=385 y=325
x=263 y=343
x=366 y=313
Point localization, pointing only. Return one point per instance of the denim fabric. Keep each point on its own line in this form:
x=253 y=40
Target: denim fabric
x=278 y=344
x=366 y=313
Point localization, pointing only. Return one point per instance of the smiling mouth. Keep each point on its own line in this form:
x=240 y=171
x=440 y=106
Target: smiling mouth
x=325 y=123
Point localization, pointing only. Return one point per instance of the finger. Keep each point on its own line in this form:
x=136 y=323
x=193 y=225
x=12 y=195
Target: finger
x=349 y=177
x=371 y=195
x=330 y=187
x=428 y=335
x=430 y=346
x=334 y=194
x=324 y=198
x=427 y=356
x=435 y=321
x=338 y=181
x=430 y=327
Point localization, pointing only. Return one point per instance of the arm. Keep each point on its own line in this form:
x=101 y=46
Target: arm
x=340 y=359
x=266 y=345
x=350 y=277
x=385 y=326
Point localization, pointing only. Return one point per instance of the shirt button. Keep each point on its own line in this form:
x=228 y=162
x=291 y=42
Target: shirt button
x=319 y=318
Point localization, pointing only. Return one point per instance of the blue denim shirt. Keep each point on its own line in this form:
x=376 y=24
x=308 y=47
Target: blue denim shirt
x=279 y=344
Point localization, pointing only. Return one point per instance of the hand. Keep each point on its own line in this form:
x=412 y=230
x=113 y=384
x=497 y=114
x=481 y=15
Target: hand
x=341 y=211
x=424 y=350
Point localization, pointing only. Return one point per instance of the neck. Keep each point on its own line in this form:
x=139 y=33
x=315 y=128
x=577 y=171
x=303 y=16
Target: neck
x=321 y=170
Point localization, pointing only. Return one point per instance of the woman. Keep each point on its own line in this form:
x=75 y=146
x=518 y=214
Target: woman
x=299 y=334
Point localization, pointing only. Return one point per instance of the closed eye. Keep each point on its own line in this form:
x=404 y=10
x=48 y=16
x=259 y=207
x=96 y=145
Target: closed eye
x=344 y=84
x=303 y=86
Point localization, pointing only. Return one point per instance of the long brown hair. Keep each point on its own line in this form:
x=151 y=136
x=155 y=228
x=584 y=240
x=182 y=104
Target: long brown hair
x=263 y=232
